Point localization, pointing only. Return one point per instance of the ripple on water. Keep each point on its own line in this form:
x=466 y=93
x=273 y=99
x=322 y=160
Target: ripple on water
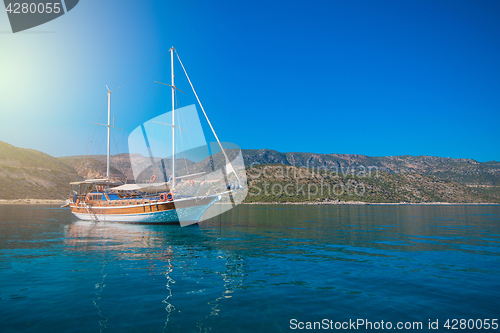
x=253 y=268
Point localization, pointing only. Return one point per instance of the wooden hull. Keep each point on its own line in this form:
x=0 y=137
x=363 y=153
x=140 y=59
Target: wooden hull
x=182 y=211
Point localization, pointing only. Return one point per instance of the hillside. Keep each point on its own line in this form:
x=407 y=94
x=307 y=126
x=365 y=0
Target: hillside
x=482 y=176
x=282 y=183
x=90 y=168
x=28 y=173
x=466 y=171
x=121 y=165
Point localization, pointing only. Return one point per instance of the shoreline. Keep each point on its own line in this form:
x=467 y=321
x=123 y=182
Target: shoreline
x=362 y=203
x=328 y=203
x=32 y=201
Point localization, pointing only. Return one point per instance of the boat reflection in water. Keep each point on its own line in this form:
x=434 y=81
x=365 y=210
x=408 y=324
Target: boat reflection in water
x=155 y=275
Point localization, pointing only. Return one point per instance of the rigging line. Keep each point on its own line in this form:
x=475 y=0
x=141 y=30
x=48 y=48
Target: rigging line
x=130 y=147
x=100 y=145
x=155 y=100
x=178 y=98
x=181 y=81
x=130 y=119
x=152 y=110
x=188 y=135
x=194 y=153
x=140 y=72
x=209 y=123
x=85 y=156
x=91 y=138
x=182 y=144
x=116 y=148
x=180 y=135
x=162 y=131
x=137 y=143
x=137 y=108
x=88 y=132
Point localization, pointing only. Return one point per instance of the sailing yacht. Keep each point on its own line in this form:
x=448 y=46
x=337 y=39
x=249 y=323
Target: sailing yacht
x=158 y=198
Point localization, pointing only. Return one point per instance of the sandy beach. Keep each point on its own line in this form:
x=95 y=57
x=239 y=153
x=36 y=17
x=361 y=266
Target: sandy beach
x=61 y=202
x=367 y=203
x=32 y=201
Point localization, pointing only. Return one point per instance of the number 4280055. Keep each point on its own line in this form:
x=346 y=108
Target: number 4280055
x=463 y=324
x=24 y=8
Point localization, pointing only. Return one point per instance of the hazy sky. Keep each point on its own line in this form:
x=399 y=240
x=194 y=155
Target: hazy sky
x=359 y=77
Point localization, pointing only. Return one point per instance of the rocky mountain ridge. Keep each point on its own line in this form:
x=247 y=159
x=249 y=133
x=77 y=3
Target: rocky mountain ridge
x=464 y=171
x=27 y=173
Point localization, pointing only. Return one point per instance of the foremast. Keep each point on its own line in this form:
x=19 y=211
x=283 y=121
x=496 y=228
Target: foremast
x=108 y=125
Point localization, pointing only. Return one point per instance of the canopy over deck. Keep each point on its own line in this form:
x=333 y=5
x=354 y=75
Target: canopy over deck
x=97 y=182
x=151 y=187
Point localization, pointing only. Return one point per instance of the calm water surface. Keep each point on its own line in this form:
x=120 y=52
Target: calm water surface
x=252 y=270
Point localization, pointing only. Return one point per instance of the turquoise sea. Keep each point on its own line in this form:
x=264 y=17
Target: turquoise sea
x=256 y=268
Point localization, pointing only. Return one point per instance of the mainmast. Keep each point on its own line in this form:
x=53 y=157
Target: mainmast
x=109 y=124
x=229 y=167
x=173 y=117
x=172 y=85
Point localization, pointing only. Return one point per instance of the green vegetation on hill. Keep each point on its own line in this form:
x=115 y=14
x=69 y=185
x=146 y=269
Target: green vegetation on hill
x=27 y=173
x=282 y=183
x=483 y=177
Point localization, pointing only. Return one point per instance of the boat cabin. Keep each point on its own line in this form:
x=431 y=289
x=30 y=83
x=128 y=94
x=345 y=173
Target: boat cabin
x=92 y=190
